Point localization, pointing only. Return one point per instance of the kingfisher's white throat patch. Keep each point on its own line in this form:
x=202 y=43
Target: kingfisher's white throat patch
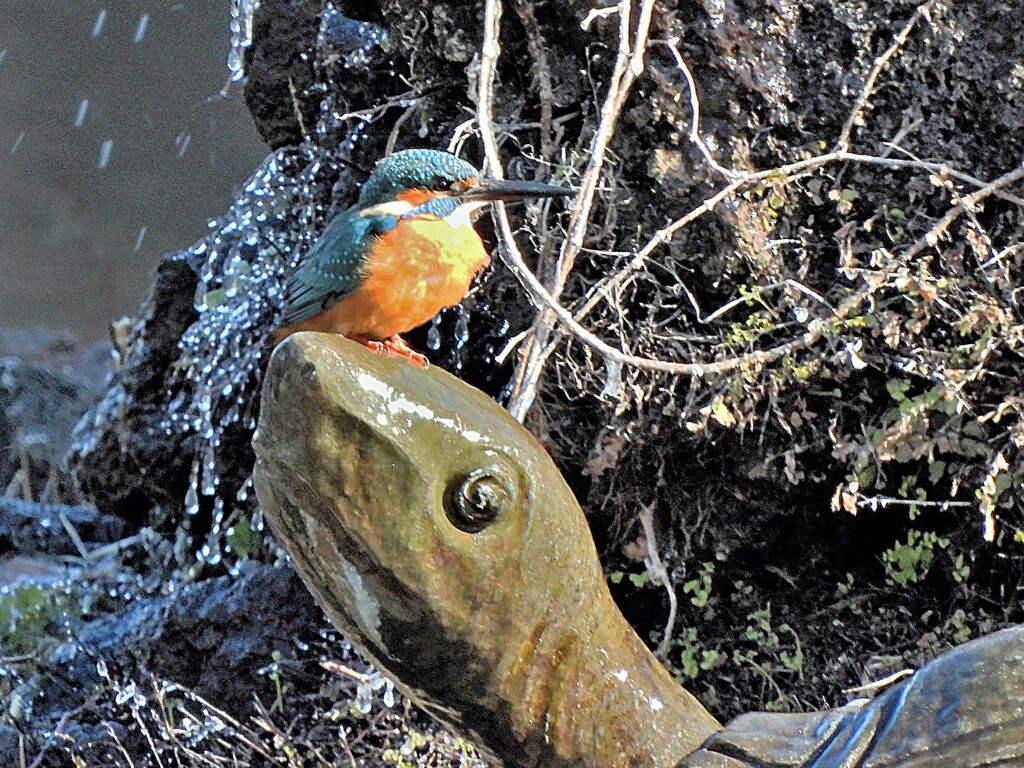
x=396 y=208
x=463 y=215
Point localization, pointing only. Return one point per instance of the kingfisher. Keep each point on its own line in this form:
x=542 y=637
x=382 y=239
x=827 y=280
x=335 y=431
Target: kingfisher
x=406 y=250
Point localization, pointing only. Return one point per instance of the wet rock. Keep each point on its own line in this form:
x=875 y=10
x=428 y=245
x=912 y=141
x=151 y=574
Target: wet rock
x=283 y=89
x=36 y=527
x=9 y=751
x=122 y=458
x=279 y=69
x=211 y=637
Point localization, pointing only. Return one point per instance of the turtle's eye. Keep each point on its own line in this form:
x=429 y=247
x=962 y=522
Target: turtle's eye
x=479 y=498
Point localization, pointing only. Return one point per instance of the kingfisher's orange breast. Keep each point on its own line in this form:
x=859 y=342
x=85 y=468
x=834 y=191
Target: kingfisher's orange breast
x=414 y=271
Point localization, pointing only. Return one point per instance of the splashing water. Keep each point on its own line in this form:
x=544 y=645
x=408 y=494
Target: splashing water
x=83 y=110
x=244 y=264
x=434 y=334
x=106 y=149
x=100 y=23
x=356 y=39
x=242 y=13
x=140 y=29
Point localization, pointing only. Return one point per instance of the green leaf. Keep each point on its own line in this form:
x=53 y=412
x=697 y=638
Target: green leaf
x=243 y=540
x=897 y=389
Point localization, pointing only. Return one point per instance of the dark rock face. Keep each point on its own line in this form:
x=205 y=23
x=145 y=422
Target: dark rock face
x=46 y=384
x=279 y=69
x=212 y=637
x=123 y=457
x=28 y=527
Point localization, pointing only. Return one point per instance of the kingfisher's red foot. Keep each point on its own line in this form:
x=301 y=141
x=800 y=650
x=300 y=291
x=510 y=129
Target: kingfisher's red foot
x=396 y=347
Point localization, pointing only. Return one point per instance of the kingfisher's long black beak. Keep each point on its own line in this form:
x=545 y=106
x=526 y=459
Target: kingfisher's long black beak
x=499 y=189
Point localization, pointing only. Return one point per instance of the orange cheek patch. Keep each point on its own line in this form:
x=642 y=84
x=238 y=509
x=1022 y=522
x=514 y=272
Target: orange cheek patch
x=415 y=197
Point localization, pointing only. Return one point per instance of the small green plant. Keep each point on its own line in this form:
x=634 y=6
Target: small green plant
x=958 y=623
x=961 y=571
x=29 y=612
x=243 y=540
x=909 y=563
x=844 y=587
x=700 y=587
x=274 y=673
x=692 y=657
x=638 y=580
x=400 y=757
x=771 y=655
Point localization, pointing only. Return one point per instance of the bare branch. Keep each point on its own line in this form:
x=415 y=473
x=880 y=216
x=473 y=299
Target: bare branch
x=629 y=64
x=966 y=204
x=695 y=136
x=861 y=105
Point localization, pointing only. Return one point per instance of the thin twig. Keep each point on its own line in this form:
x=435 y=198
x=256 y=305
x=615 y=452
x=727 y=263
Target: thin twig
x=966 y=204
x=397 y=127
x=815 y=329
x=695 y=136
x=942 y=168
x=874 y=502
x=861 y=105
x=883 y=683
x=1009 y=251
x=753 y=295
x=666 y=233
x=629 y=64
x=72 y=532
x=659 y=575
x=535 y=44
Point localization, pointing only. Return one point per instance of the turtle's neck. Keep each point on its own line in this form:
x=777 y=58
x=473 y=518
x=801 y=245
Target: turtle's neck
x=581 y=689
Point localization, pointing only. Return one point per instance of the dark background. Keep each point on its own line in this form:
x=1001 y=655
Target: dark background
x=68 y=229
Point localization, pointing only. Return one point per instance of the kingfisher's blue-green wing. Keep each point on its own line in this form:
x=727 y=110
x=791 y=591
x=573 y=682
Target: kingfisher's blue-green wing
x=334 y=266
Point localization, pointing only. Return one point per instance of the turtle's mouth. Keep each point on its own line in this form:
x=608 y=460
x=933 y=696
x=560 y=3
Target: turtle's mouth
x=334 y=563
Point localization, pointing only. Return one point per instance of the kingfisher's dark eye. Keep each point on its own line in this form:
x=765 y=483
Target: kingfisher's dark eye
x=439 y=184
x=479 y=498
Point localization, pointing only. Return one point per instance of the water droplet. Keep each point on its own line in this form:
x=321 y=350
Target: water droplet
x=140 y=29
x=235 y=64
x=83 y=109
x=461 y=327
x=139 y=240
x=106 y=148
x=364 y=699
x=17 y=143
x=181 y=142
x=192 y=499
x=434 y=334
x=101 y=21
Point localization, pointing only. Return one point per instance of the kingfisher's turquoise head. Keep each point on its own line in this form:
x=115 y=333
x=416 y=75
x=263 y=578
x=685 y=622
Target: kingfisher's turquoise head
x=407 y=179
x=429 y=170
